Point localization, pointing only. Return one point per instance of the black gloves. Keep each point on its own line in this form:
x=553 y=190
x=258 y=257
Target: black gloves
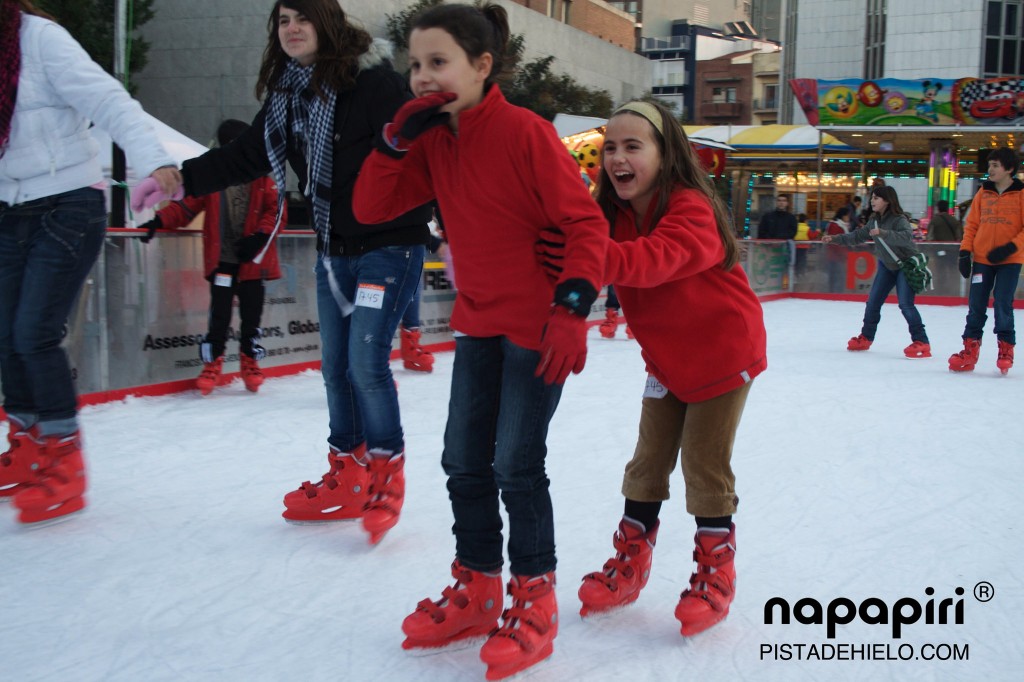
x=246 y=248
x=576 y=296
x=1001 y=253
x=964 y=264
x=151 y=227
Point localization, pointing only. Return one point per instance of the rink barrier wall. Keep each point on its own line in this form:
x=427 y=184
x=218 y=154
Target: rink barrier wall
x=136 y=328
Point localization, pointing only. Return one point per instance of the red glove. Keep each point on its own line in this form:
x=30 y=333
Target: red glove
x=563 y=346
x=413 y=119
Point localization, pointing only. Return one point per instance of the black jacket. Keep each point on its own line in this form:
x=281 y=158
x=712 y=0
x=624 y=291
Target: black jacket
x=359 y=116
x=777 y=225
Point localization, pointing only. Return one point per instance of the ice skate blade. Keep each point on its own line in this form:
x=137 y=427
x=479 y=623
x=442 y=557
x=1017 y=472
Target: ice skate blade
x=691 y=629
x=318 y=522
x=596 y=613
x=503 y=672
x=918 y=357
x=416 y=649
x=34 y=519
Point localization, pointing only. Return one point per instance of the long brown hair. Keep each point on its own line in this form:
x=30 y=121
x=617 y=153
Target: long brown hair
x=28 y=8
x=680 y=167
x=339 y=46
x=888 y=194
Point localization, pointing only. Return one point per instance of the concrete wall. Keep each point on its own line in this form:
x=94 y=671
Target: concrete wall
x=204 y=57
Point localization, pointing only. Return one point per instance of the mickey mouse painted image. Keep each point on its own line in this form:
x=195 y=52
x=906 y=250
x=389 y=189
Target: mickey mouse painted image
x=926 y=107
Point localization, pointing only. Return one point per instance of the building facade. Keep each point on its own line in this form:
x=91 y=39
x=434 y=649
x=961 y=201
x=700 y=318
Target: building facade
x=204 y=57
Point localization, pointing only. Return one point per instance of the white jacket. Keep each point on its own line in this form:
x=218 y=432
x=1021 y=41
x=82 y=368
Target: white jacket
x=60 y=90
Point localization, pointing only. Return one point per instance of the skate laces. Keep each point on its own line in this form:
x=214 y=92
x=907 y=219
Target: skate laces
x=620 y=564
x=382 y=471
x=708 y=582
x=522 y=612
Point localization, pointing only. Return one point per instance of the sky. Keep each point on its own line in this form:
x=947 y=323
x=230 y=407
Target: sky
x=861 y=476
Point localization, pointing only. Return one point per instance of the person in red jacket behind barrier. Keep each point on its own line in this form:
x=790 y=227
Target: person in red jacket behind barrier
x=674 y=262
x=500 y=175
x=237 y=225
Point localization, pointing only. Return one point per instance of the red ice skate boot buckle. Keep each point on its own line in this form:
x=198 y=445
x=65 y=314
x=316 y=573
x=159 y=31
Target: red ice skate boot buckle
x=339 y=495
x=625 y=574
x=1005 y=360
x=20 y=462
x=859 y=342
x=918 y=350
x=528 y=628
x=57 y=488
x=713 y=586
x=386 y=493
x=965 y=360
x=469 y=608
x=610 y=323
x=210 y=376
x=252 y=375
x=414 y=357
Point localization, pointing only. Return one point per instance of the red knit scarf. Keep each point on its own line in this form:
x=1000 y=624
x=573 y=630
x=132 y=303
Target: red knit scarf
x=10 y=66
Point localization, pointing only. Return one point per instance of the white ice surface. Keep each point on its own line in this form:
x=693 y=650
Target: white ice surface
x=860 y=474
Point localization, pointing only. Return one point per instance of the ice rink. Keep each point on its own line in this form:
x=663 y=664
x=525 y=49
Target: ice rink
x=861 y=475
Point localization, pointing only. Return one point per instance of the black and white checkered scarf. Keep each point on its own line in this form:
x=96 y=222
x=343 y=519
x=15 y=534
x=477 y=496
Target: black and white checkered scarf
x=312 y=125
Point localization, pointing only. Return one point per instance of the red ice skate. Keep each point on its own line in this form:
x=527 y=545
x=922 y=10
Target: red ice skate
x=340 y=494
x=625 y=574
x=859 y=342
x=965 y=360
x=528 y=627
x=469 y=608
x=610 y=323
x=918 y=350
x=210 y=376
x=56 y=489
x=19 y=463
x=713 y=586
x=1005 y=360
x=252 y=375
x=414 y=357
x=386 y=494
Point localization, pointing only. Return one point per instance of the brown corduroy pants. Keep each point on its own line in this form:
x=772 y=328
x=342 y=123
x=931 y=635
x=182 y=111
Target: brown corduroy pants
x=703 y=433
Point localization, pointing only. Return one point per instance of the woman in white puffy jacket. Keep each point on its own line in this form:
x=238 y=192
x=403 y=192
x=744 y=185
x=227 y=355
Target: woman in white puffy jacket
x=52 y=222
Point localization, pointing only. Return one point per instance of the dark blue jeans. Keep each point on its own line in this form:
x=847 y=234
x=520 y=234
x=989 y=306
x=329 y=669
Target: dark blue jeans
x=356 y=349
x=47 y=248
x=999 y=281
x=885 y=280
x=411 y=316
x=494 y=443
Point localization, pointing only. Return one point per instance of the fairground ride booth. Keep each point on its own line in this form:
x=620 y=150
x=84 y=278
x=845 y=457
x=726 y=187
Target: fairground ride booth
x=939 y=131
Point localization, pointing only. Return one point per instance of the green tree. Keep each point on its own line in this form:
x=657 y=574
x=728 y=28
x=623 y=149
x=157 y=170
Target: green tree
x=91 y=22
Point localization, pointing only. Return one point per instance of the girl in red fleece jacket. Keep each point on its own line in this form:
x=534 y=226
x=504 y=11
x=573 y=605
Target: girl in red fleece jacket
x=673 y=261
x=500 y=175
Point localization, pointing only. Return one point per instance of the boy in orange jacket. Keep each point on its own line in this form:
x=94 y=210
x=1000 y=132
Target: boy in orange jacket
x=994 y=239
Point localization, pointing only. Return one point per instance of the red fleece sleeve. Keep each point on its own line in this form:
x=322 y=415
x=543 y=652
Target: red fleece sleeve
x=685 y=242
x=386 y=188
x=568 y=205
